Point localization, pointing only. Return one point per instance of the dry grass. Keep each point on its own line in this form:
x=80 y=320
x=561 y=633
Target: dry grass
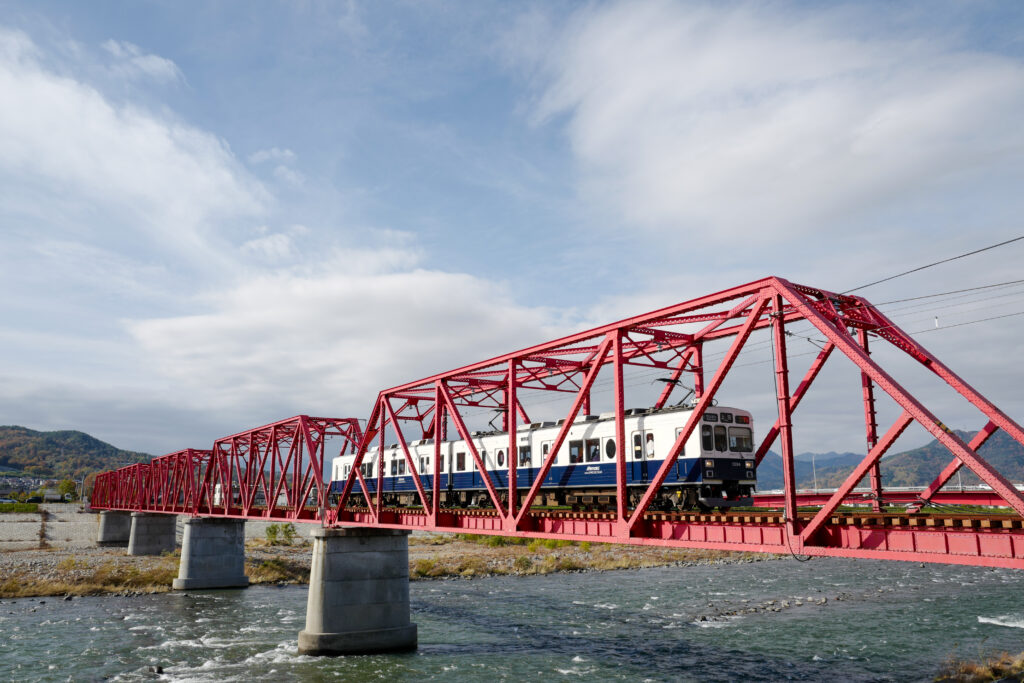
x=108 y=577
x=996 y=667
x=468 y=555
x=277 y=570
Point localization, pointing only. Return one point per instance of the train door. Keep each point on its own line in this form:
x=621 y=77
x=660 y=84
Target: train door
x=639 y=464
x=682 y=454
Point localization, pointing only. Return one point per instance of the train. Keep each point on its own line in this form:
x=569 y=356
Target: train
x=716 y=468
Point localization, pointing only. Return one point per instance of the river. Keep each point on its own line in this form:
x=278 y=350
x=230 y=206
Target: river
x=880 y=621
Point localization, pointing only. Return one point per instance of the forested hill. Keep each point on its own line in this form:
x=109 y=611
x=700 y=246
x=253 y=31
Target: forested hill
x=915 y=467
x=59 y=454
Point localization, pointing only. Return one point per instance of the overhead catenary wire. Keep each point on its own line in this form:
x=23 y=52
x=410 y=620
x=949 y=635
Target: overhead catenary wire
x=955 y=291
x=936 y=263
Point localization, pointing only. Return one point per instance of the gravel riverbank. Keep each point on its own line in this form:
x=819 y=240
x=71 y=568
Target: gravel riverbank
x=54 y=553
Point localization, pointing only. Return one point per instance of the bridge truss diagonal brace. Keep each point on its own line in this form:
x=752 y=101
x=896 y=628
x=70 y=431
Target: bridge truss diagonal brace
x=698 y=411
x=460 y=426
x=865 y=466
x=953 y=467
x=926 y=358
x=563 y=433
x=794 y=401
x=355 y=474
x=841 y=338
x=408 y=457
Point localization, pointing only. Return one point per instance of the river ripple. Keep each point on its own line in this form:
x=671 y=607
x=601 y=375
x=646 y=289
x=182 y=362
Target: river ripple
x=880 y=622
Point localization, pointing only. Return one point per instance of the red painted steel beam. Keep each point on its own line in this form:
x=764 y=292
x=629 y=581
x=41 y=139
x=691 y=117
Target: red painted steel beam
x=285 y=460
x=909 y=497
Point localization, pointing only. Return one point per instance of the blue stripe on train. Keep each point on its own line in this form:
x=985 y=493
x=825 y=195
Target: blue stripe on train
x=580 y=475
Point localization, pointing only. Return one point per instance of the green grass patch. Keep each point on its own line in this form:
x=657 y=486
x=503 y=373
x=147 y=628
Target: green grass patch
x=19 y=507
x=492 y=541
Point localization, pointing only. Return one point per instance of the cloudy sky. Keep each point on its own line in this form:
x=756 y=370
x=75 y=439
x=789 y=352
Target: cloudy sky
x=215 y=215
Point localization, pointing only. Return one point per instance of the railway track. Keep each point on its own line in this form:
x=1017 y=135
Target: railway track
x=979 y=521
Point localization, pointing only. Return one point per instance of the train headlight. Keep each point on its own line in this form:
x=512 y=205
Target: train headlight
x=749 y=464
x=709 y=463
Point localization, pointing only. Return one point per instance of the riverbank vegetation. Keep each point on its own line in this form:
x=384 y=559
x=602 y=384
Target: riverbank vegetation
x=19 y=507
x=468 y=555
x=73 y=576
x=998 y=667
x=96 y=571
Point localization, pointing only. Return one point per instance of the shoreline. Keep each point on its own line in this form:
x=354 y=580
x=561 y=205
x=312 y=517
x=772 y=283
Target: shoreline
x=81 y=571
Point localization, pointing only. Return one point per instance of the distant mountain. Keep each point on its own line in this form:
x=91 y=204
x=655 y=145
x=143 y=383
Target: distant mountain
x=824 y=465
x=59 y=454
x=916 y=467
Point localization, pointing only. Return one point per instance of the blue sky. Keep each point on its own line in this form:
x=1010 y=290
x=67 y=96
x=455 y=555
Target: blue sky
x=216 y=215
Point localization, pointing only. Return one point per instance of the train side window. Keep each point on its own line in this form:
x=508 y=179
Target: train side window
x=460 y=462
x=546 y=448
x=721 y=443
x=442 y=463
x=638 y=446
x=650 y=446
x=394 y=467
x=707 y=438
x=740 y=440
x=501 y=458
x=593 y=450
x=401 y=467
x=524 y=455
x=609 y=449
x=575 y=452
x=423 y=464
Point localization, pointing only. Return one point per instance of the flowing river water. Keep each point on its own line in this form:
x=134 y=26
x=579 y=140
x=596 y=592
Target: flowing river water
x=880 y=621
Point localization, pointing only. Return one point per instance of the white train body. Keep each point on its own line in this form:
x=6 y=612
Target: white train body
x=715 y=469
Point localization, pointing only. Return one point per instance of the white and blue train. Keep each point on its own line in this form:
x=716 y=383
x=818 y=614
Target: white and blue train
x=715 y=469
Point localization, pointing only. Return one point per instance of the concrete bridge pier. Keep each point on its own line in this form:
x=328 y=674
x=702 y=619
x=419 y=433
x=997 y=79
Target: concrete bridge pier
x=212 y=554
x=152 y=534
x=358 y=593
x=115 y=528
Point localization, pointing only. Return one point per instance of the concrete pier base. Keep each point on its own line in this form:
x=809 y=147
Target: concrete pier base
x=358 y=593
x=152 y=534
x=115 y=528
x=212 y=555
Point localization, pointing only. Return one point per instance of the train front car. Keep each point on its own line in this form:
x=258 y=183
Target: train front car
x=728 y=475
x=715 y=469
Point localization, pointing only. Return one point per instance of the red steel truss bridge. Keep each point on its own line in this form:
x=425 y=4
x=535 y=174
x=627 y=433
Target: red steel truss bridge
x=277 y=472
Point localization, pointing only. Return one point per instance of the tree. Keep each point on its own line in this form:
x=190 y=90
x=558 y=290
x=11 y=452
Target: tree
x=68 y=486
x=88 y=485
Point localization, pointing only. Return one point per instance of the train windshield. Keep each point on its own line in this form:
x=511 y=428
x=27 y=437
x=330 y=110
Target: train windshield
x=740 y=440
x=720 y=439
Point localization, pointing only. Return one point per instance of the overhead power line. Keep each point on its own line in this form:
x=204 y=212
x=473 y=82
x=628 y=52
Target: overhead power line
x=969 y=322
x=952 y=258
x=955 y=291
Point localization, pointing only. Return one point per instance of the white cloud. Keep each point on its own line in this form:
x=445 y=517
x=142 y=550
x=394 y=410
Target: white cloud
x=150 y=176
x=272 y=154
x=756 y=121
x=274 y=247
x=328 y=339
x=132 y=62
x=290 y=176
